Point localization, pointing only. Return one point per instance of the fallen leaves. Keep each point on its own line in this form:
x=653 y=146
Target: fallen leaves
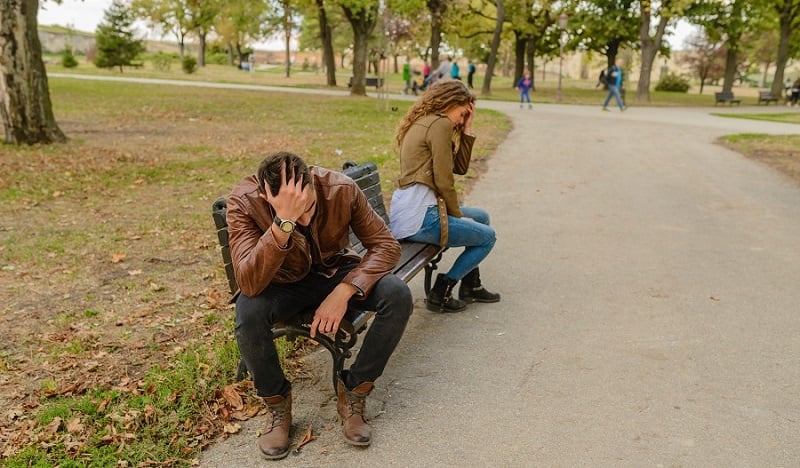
x=307 y=438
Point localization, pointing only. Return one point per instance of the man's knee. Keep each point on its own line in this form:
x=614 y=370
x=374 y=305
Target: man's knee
x=395 y=292
x=253 y=312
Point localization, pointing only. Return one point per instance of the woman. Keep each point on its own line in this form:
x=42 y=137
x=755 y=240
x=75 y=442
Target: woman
x=435 y=140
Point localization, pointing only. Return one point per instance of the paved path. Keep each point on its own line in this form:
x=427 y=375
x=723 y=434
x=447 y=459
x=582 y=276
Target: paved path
x=649 y=313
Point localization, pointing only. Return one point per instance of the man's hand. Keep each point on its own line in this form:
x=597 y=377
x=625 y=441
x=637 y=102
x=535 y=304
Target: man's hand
x=292 y=198
x=329 y=314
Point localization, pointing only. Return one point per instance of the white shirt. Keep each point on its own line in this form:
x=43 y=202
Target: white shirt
x=408 y=209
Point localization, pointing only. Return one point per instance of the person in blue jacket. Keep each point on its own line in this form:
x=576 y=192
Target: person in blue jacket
x=524 y=85
x=614 y=83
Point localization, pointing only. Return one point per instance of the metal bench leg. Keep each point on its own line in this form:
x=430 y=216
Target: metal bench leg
x=432 y=265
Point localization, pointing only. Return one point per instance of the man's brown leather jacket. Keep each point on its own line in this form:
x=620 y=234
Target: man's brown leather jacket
x=258 y=260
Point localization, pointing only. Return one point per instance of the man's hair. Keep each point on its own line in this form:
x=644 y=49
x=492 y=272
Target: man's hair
x=269 y=170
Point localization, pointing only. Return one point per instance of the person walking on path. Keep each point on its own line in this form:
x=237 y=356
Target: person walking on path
x=455 y=72
x=470 y=73
x=524 y=85
x=443 y=71
x=435 y=140
x=408 y=77
x=614 y=83
x=288 y=224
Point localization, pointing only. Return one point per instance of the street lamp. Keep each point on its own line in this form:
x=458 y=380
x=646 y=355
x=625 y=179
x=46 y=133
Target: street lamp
x=562 y=24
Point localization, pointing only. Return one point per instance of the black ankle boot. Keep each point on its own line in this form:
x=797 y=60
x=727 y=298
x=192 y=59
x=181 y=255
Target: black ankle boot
x=440 y=298
x=472 y=291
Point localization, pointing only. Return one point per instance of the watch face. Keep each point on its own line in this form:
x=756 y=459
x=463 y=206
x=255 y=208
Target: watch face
x=287 y=226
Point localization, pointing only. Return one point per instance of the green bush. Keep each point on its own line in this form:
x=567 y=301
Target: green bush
x=218 y=58
x=189 y=64
x=161 y=61
x=68 y=59
x=673 y=82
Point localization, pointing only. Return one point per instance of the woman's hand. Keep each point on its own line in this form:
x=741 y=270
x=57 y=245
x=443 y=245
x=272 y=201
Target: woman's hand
x=468 y=115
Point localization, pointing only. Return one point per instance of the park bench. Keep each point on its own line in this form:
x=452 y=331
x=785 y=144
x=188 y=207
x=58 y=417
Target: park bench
x=766 y=96
x=726 y=97
x=415 y=258
x=370 y=81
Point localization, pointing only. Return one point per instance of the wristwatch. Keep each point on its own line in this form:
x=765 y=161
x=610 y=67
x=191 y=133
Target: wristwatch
x=285 y=225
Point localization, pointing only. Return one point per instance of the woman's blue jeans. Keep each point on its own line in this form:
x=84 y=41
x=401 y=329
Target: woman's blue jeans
x=474 y=234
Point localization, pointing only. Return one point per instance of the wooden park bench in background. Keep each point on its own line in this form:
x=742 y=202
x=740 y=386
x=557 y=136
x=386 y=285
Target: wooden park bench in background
x=370 y=81
x=726 y=97
x=415 y=258
x=766 y=96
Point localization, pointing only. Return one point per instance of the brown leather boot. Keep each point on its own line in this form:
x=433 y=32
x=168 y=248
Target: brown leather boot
x=274 y=439
x=351 y=405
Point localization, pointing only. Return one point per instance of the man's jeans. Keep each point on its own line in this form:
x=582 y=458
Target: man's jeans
x=390 y=299
x=613 y=91
x=476 y=235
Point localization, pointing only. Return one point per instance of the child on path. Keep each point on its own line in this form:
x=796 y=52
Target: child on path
x=524 y=86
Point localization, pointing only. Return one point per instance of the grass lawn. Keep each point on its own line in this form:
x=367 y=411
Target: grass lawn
x=117 y=336
x=575 y=91
x=781 y=152
x=785 y=117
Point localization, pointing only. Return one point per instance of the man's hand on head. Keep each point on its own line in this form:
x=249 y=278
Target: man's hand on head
x=292 y=198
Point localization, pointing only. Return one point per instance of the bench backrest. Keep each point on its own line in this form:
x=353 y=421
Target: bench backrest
x=724 y=94
x=765 y=94
x=365 y=175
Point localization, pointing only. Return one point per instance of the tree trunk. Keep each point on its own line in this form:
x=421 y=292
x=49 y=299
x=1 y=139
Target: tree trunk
x=201 y=52
x=486 y=90
x=437 y=9
x=650 y=46
x=519 y=57
x=287 y=37
x=612 y=48
x=326 y=37
x=27 y=112
x=530 y=51
x=730 y=69
x=788 y=13
x=231 y=60
x=363 y=22
x=764 y=77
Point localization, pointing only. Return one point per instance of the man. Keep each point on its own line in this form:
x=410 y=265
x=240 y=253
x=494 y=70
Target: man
x=288 y=226
x=614 y=83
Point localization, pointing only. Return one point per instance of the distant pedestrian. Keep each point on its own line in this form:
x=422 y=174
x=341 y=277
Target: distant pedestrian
x=470 y=73
x=795 y=92
x=524 y=86
x=408 y=77
x=614 y=83
x=443 y=71
x=454 y=71
x=426 y=71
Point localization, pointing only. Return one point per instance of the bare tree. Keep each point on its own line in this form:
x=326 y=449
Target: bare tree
x=704 y=56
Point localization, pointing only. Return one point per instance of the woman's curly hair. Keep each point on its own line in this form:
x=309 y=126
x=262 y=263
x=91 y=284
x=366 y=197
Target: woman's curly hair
x=437 y=99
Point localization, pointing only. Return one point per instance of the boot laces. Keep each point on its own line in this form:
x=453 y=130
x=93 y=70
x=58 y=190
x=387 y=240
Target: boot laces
x=356 y=404
x=278 y=412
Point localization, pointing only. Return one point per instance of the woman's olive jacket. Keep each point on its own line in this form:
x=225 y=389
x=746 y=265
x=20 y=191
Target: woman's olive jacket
x=428 y=155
